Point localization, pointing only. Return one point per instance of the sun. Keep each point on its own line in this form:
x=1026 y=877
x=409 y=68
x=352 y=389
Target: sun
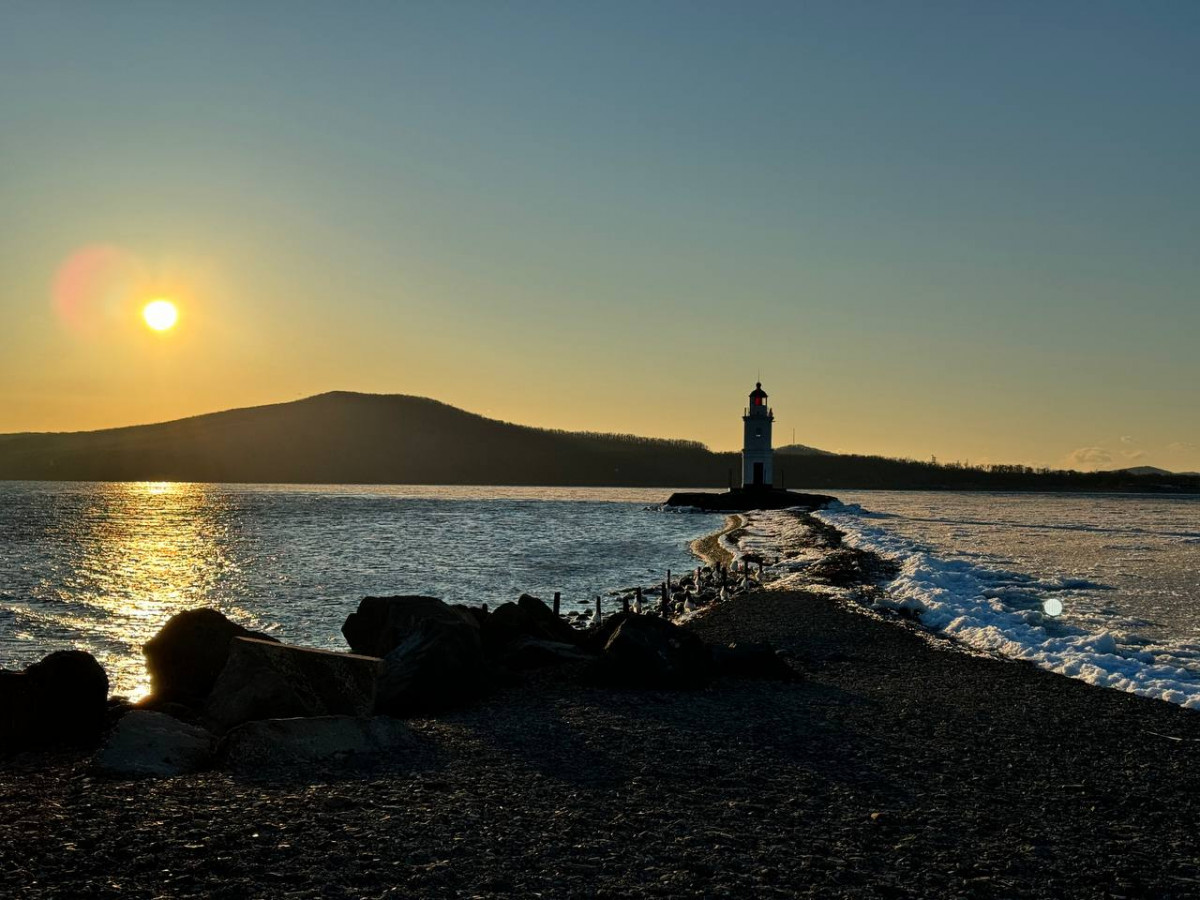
x=160 y=314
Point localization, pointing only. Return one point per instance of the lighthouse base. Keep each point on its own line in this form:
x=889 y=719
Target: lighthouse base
x=748 y=498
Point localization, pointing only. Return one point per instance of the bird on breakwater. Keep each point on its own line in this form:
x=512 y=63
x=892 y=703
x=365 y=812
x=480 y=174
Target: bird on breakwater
x=688 y=605
x=637 y=604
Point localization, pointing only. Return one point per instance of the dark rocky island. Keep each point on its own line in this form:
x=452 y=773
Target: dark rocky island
x=746 y=499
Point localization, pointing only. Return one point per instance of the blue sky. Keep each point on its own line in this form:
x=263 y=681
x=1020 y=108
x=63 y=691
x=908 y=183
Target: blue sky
x=936 y=228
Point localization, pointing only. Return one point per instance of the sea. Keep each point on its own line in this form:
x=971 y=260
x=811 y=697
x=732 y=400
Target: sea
x=1100 y=587
x=101 y=566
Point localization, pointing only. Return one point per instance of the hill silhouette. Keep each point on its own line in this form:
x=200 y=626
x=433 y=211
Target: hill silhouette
x=352 y=438
x=343 y=437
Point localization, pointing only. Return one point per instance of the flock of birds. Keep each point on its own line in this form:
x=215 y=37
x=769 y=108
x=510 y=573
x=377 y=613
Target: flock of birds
x=677 y=598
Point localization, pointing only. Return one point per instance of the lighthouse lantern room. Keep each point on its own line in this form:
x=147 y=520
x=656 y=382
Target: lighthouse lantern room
x=757 y=455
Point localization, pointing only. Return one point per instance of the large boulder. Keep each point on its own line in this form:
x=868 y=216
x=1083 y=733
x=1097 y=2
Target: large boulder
x=272 y=744
x=529 y=617
x=61 y=700
x=649 y=652
x=148 y=744
x=269 y=680
x=189 y=652
x=476 y=614
x=553 y=627
x=597 y=636
x=381 y=623
x=435 y=662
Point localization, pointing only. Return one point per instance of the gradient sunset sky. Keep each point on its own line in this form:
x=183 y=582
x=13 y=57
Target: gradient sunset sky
x=958 y=229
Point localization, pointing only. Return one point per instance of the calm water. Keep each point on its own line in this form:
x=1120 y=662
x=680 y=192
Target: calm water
x=102 y=566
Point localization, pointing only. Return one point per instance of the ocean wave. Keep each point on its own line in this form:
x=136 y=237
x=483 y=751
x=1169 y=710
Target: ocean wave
x=994 y=609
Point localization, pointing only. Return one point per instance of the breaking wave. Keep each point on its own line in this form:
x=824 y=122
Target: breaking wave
x=1003 y=611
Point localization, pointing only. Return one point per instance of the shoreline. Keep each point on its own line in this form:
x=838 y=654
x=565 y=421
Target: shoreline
x=708 y=549
x=896 y=765
x=892 y=768
x=823 y=556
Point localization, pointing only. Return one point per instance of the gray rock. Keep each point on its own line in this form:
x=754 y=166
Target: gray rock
x=282 y=743
x=553 y=627
x=436 y=657
x=60 y=700
x=147 y=744
x=264 y=680
x=187 y=655
x=380 y=624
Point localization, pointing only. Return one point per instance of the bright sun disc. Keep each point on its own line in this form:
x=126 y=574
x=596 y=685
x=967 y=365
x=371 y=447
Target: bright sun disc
x=160 y=314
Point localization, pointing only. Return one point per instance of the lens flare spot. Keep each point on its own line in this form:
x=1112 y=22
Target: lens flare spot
x=160 y=314
x=1052 y=607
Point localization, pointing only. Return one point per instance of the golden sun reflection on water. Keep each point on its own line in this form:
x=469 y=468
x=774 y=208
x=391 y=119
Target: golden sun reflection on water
x=145 y=552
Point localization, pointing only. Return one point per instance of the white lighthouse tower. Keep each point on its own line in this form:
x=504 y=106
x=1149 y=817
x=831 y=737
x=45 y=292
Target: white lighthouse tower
x=757 y=455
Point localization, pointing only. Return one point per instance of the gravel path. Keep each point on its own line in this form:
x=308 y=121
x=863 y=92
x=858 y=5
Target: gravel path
x=894 y=768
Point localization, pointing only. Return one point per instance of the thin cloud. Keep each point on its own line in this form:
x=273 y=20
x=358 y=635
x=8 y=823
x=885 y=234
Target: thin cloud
x=1089 y=458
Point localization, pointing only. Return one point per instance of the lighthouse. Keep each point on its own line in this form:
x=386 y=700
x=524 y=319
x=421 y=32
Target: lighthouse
x=757 y=455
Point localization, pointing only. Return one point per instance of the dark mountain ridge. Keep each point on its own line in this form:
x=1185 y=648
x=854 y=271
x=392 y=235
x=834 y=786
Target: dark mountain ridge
x=350 y=438
x=343 y=437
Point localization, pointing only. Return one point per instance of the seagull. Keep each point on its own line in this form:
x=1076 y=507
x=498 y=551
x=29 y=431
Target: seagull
x=637 y=604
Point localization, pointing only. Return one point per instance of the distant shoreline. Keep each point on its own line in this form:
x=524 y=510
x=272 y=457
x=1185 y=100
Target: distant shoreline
x=665 y=487
x=348 y=438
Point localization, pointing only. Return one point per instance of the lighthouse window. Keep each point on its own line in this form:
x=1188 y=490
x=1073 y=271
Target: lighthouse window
x=758 y=432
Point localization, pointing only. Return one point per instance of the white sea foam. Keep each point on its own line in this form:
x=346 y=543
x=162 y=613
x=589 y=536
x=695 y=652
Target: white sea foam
x=997 y=609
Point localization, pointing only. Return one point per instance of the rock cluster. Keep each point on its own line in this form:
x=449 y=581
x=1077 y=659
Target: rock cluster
x=225 y=694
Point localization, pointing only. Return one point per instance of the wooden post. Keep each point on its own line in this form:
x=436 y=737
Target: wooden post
x=662 y=599
x=557 y=600
x=724 y=576
x=625 y=603
x=639 y=599
x=599 y=614
x=485 y=609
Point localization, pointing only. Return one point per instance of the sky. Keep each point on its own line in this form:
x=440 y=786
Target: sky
x=959 y=230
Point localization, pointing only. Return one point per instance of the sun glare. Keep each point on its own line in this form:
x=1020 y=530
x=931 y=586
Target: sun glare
x=160 y=314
